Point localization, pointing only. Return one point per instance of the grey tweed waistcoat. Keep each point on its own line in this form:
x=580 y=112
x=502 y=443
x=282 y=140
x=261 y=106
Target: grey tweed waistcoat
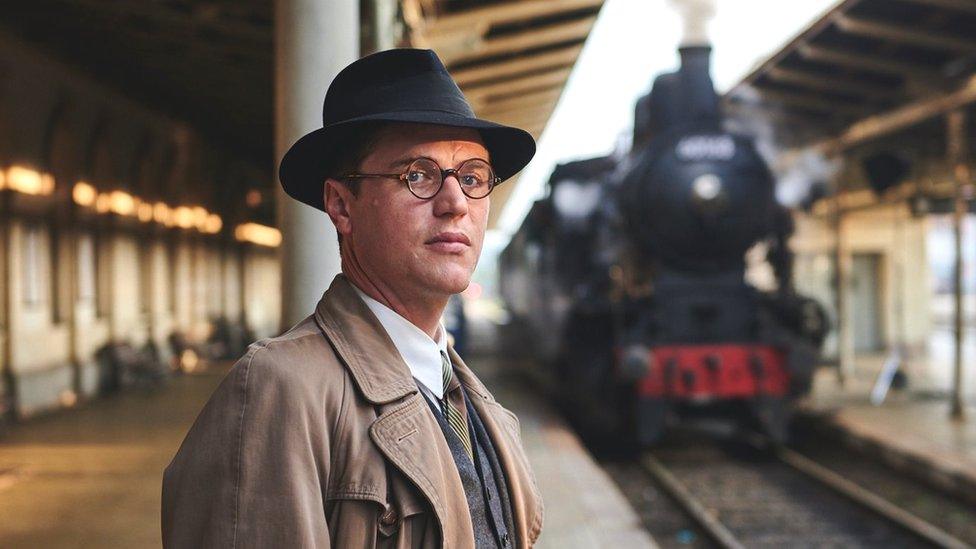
x=483 y=481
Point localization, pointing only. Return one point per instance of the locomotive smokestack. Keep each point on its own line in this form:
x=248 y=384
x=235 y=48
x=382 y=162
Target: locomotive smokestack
x=700 y=100
x=699 y=97
x=686 y=96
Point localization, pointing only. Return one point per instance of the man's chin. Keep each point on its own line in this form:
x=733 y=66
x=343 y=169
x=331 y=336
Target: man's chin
x=452 y=283
x=458 y=287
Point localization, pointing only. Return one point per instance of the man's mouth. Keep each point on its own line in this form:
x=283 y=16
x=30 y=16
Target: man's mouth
x=449 y=242
x=450 y=237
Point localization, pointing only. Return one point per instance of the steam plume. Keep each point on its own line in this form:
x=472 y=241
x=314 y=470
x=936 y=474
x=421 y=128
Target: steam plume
x=696 y=15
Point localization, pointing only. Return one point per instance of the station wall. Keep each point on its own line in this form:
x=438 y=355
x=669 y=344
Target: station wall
x=888 y=236
x=117 y=231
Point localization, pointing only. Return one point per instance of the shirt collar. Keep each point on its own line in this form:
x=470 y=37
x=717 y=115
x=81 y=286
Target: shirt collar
x=421 y=353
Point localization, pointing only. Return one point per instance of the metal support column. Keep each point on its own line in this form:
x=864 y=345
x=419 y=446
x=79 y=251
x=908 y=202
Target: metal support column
x=956 y=152
x=845 y=335
x=314 y=40
x=8 y=382
x=383 y=30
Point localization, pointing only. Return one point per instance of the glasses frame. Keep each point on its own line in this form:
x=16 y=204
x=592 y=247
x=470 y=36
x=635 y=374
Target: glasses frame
x=492 y=181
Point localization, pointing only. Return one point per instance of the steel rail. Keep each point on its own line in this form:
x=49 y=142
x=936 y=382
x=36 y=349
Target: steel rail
x=912 y=523
x=712 y=526
x=858 y=494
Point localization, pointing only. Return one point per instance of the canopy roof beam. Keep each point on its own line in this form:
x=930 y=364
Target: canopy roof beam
x=901 y=118
x=811 y=101
x=874 y=63
x=563 y=57
x=548 y=79
x=509 y=12
x=468 y=45
x=958 y=5
x=535 y=99
x=903 y=34
x=828 y=83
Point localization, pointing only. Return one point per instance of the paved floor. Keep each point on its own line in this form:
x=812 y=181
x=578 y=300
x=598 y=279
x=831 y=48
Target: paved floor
x=930 y=369
x=914 y=425
x=91 y=477
x=584 y=508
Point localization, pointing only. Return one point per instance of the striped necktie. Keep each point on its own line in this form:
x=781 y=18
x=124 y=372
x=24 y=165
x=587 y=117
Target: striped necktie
x=452 y=414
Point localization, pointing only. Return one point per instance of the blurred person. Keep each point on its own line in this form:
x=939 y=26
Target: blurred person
x=456 y=322
x=361 y=426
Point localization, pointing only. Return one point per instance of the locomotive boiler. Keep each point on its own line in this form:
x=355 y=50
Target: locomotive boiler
x=627 y=283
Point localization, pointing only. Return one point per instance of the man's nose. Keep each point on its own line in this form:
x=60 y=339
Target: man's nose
x=450 y=199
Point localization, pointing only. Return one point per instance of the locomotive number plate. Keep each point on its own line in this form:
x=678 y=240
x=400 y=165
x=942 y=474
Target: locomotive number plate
x=705 y=147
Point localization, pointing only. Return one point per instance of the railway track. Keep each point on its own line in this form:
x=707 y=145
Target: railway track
x=735 y=493
x=753 y=495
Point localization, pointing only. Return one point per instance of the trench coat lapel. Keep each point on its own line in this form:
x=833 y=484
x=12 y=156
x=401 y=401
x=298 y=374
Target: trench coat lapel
x=503 y=429
x=405 y=430
x=412 y=440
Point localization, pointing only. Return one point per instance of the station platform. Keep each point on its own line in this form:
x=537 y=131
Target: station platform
x=583 y=507
x=910 y=429
x=91 y=477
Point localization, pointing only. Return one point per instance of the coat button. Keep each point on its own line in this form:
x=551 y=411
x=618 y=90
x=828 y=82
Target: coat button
x=505 y=539
x=389 y=518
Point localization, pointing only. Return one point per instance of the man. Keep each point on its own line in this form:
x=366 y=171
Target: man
x=360 y=426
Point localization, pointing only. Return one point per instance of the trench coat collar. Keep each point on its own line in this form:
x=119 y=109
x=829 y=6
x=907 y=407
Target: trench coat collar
x=358 y=337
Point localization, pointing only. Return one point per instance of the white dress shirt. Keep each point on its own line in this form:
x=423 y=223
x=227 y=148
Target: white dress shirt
x=421 y=353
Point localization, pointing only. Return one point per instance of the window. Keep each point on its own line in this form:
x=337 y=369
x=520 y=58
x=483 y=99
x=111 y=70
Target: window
x=86 y=268
x=33 y=269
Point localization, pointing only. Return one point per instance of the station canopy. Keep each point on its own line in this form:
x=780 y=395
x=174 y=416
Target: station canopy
x=865 y=69
x=210 y=62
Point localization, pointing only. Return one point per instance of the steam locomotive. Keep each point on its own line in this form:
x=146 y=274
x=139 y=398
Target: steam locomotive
x=627 y=282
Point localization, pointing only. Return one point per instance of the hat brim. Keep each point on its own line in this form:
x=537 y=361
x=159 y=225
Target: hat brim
x=311 y=159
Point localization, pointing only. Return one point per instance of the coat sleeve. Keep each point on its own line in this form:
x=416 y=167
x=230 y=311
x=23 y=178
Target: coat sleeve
x=252 y=470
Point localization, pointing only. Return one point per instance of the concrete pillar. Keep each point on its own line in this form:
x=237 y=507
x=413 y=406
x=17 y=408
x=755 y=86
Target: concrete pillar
x=314 y=40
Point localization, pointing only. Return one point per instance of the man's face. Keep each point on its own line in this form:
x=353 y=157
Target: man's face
x=414 y=247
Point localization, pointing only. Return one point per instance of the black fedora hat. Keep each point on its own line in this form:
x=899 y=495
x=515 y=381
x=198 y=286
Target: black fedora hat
x=399 y=85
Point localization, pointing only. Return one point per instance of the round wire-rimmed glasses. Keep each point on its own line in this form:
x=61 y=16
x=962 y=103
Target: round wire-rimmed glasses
x=424 y=177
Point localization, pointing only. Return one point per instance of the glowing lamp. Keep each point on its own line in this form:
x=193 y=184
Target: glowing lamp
x=84 y=194
x=28 y=181
x=213 y=224
x=160 y=213
x=183 y=217
x=144 y=212
x=103 y=203
x=122 y=203
x=258 y=234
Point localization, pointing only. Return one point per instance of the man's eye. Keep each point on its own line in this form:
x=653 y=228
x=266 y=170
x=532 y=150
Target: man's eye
x=416 y=177
x=470 y=181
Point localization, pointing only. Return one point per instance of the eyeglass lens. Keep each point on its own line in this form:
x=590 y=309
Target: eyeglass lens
x=475 y=176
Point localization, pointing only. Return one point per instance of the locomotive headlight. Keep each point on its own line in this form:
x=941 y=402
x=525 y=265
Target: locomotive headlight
x=707 y=187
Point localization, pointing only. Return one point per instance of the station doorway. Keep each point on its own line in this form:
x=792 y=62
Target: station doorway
x=865 y=305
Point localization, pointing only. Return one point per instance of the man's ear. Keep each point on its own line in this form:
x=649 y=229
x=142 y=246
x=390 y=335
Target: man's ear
x=337 y=201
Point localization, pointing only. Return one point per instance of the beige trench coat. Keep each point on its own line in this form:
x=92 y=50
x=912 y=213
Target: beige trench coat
x=320 y=437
